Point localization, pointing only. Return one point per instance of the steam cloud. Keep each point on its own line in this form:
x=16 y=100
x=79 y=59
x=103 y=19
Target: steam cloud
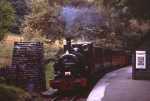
x=84 y=16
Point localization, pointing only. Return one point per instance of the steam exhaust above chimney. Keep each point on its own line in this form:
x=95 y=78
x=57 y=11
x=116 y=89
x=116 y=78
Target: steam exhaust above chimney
x=68 y=43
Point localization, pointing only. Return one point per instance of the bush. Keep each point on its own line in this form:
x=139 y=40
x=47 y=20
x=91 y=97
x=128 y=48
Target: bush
x=9 y=93
x=2 y=80
x=7 y=16
x=5 y=54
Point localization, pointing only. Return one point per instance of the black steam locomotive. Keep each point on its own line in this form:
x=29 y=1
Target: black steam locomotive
x=82 y=63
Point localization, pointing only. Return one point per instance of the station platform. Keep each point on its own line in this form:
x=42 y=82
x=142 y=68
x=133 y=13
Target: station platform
x=119 y=86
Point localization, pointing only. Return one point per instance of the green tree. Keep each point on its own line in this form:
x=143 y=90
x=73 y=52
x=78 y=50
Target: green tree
x=129 y=19
x=7 y=16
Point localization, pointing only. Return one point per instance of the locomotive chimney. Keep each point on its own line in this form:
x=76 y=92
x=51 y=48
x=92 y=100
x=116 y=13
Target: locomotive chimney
x=68 y=43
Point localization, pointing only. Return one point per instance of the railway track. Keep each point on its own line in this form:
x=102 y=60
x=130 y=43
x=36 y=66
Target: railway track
x=68 y=98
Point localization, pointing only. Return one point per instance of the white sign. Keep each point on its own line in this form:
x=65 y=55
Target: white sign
x=140 y=59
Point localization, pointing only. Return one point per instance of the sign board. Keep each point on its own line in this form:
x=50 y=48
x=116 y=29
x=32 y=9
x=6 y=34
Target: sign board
x=28 y=60
x=140 y=59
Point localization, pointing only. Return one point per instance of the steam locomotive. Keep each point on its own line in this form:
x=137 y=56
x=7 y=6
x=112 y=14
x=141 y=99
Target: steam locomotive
x=83 y=64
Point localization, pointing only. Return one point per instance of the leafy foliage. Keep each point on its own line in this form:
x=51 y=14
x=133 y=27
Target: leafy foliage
x=7 y=16
x=38 y=6
x=5 y=54
x=49 y=74
x=118 y=25
x=43 y=21
x=22 y=8
x=139 y=9
x=9 y=93
x=129 y=18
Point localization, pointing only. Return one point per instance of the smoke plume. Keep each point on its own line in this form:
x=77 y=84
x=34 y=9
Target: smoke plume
x=81 y=19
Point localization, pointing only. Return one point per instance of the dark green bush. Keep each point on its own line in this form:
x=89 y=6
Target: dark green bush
x=7 y=16
x=10 y=93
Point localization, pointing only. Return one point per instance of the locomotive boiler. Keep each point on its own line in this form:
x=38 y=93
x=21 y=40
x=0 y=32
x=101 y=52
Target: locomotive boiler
x=72 y=68
x=83 y=64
